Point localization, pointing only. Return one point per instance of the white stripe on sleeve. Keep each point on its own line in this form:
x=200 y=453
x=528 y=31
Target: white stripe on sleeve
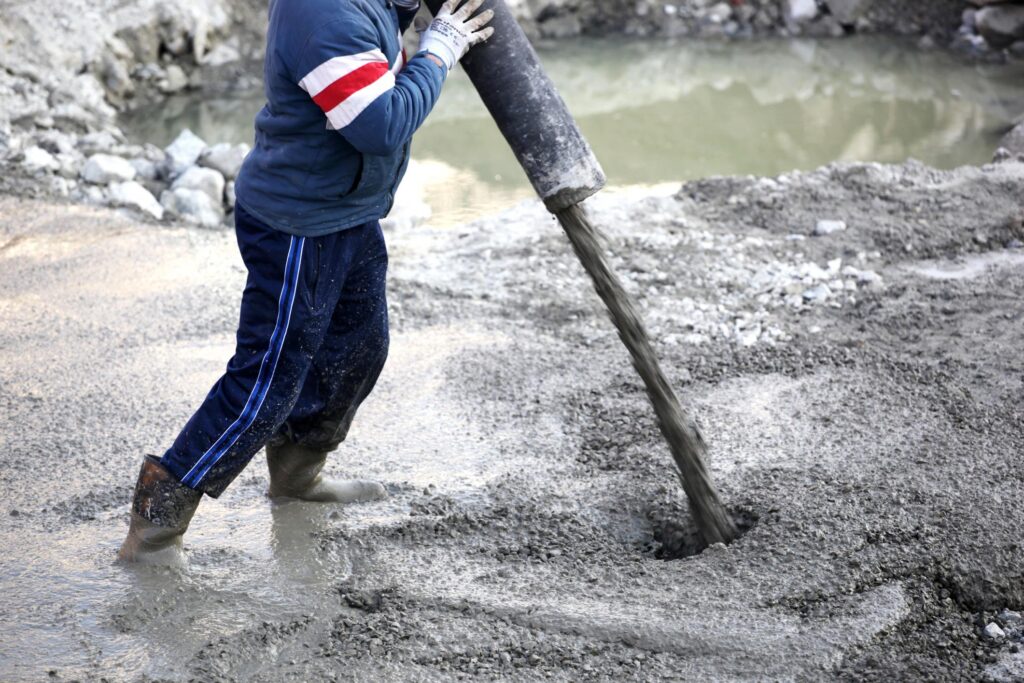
x=347 y=112
x=338 y=67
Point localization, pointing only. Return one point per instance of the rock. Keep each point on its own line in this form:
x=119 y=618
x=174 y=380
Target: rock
x=134 y=195
x=1013 y=141
x=827 y=227
x=225 y=158
x=969 y=19
x=115 y=76
x=175 y=80
x=1010 y=617
x=144 y=168
x=558 y=27
x=194 y=206
x=221 y=55
x=847 y=11
x=720 y=13
x=38 y=160
x=994 y=632
x=184 y=152
x=1001 y=25
x=100 y=141
x=206 y=180
x=800 y=11
x=229 y=195
x=102 y=169
x=70 y=164
x=817 y=294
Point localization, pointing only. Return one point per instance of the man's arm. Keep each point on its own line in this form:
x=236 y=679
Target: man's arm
x=377 y=110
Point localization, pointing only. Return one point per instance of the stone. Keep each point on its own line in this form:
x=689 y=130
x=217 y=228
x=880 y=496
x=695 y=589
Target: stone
x=99 y=141
x=1013 y=141
x=994 y=632
x=221 y=55
x=134 y=195
x=193 y=206
x=720 y=13
x=847 y=11
x=70 y=165
x=229 y=195
x=828 y=227
x=184 y=152
x=1001 y=25
x=1008 y=616
x=175 y=80
x=205 y=180
x=800 y=11
x=225 y=158
x=38 y=160
x=817 y=294
x=144 y=168
x=115 y=76
x=969 y=19
x=103 y=169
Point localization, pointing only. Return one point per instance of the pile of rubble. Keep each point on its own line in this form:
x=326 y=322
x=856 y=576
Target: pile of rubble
x=738 y=18
x=994 y=25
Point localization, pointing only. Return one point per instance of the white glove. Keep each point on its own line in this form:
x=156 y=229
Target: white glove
x=453 y=31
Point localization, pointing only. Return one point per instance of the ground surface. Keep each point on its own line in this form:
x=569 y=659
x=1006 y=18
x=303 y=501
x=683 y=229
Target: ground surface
x=875 y=437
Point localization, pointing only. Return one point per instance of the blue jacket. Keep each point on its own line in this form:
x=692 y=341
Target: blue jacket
x=332 y=143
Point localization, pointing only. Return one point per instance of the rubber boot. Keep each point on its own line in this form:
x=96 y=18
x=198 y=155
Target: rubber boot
x=161 y=512
x=296 y=472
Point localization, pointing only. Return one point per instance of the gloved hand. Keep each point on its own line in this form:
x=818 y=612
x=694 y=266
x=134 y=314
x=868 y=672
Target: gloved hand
x=453 y=31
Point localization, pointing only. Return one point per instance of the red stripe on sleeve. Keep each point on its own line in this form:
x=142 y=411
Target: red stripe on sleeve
x=348 y=85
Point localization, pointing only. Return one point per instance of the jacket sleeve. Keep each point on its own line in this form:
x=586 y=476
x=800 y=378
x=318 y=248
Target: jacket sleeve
x=375 y=101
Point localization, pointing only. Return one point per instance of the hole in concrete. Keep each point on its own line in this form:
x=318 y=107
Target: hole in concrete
x=676 y=537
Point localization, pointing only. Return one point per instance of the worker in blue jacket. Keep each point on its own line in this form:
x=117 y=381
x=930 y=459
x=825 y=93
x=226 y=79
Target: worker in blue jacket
x=332 y=145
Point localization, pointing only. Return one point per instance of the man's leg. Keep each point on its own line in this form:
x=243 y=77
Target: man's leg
x=279 y=332
x=343 y=374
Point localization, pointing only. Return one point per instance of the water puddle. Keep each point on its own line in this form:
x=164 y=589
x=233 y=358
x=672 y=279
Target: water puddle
x=663 y=112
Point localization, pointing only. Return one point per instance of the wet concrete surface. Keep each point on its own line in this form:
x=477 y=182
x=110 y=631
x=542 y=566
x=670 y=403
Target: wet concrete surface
x=873 y=440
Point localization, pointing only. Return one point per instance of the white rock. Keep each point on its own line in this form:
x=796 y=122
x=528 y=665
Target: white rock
x=1010 y=617
x=720 y=13
x=799 y=11
x=994 y=632
x=102 y=169
x=225 y=158
x=144 y=168
x=229 y=195
x=817 y=294
x=847 y=11
x=38 y=159
x=814 y=271
x=175 y=80
x=184 y=151
x=205 y=180
x=221 y=55
x=193 y=206
x=827 y=227
x=70 y=164
x=134 y=195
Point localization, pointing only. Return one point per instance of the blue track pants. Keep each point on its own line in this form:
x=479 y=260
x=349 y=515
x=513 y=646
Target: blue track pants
x=312 y=341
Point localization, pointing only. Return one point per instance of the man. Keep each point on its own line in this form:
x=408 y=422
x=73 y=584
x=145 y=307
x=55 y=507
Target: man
x=332 y=145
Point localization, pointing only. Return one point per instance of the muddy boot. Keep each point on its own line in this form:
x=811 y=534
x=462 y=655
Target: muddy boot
x=295 y=472
x=161 y=512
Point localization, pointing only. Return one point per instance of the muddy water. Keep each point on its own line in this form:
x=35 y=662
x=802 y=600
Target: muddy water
x=664 y=112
